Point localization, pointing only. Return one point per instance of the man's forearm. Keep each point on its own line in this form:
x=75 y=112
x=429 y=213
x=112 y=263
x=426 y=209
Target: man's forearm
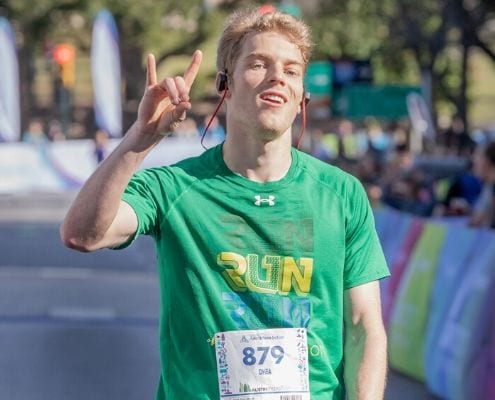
x=365 y=368
x=97 y=203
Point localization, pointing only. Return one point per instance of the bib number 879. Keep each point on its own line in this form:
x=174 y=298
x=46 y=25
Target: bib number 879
x=277 y=352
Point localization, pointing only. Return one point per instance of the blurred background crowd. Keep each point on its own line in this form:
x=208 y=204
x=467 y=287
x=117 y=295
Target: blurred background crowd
x=453 y=176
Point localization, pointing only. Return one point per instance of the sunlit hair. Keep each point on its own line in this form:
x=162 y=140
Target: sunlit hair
x=244 y=22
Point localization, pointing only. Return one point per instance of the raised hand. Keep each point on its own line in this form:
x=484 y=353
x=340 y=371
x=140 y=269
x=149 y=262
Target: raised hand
x=164 y=105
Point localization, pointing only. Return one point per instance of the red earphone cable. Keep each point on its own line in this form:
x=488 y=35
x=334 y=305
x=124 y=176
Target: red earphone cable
x=212 y=117
x=303 y=123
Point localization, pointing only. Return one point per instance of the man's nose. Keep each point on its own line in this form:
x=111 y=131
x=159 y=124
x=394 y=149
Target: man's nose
x=277 y=75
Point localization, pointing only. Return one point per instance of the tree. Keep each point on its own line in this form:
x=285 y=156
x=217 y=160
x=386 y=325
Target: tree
x=435 y=34
x=405 y=39
x=437 y=31
x=166 y=28
x=32 y=23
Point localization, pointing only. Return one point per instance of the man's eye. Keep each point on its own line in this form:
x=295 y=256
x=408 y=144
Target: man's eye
x=257 y=66
x=292 y=72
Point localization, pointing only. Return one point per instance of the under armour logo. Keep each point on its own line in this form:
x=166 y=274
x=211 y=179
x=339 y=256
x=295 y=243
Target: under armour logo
x=270 y=200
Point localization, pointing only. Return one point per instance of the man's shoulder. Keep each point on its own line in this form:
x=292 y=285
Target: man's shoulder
x=202 y=165
x=325 y=173
x=180 y=174
x=190 y=168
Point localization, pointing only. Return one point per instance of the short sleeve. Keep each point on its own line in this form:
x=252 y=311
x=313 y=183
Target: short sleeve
x=140 y=194
x=364 y=259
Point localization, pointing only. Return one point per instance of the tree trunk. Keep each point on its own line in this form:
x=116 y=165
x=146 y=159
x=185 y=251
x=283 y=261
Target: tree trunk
x=26 y=78
x=462 y=102
x=134 y=78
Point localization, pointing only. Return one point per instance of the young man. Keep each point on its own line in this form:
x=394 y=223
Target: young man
x=268 y=258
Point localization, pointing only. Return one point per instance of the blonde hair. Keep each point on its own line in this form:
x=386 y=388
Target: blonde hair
x=244 y=22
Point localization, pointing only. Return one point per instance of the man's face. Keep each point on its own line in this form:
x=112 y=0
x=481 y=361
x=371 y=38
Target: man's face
x=267 y=85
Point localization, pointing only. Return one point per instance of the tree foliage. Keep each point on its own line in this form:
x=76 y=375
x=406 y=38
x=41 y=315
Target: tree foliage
x=401 y=37
x=407 y=37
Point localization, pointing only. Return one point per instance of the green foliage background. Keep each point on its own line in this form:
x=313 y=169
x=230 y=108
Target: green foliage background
x=403 y=38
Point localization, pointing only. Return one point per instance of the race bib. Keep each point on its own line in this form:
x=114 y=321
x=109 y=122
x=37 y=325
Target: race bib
x=268 y=364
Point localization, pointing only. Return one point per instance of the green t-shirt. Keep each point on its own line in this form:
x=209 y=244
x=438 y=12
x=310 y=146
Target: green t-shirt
x=234 y=254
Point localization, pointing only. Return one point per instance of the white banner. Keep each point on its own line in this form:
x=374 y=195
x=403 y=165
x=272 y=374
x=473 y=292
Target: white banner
x=10 y=120
x=65 y=166
x=105 y=70
x=421 y=121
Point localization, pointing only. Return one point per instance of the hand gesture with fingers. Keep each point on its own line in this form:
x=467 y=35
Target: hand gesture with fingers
x=164 y=104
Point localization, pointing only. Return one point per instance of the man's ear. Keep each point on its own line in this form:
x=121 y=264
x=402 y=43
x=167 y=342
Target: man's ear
x=221 y=82
x=305 y=101
x=306 y=98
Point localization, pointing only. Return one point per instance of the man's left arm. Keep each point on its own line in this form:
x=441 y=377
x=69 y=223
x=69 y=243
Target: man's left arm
x=365 y=343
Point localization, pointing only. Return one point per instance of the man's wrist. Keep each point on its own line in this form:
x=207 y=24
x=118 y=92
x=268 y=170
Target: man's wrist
x=145 y=139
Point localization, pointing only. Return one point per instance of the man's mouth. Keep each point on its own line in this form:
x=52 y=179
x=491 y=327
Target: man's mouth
x=273 y=98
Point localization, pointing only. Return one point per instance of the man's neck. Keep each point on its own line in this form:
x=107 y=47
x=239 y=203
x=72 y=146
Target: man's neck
x=257 y=160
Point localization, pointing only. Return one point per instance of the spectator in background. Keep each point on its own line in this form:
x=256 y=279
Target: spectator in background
x=55 y=131
x=187 y=129
x=462 y=194
x=379 y=141
x=457 y=140
x=484 y=167
x=101 y=145
x=413 y=193
x=319 y=149
x=407 y=188
x=400 y=161
x=369 y=171
x=347 y=148
x=35 y=133
x=400 y=135
x=76 y=130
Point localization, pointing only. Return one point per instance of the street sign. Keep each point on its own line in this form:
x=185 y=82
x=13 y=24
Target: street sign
x=318 y=79
x=365 y=100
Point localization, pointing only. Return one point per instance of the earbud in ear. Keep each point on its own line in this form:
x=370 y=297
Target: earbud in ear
x=307 y=97
x=304 y=103
x=222 y=81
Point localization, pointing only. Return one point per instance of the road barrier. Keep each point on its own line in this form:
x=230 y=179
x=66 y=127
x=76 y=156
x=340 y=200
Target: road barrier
x=440 y=302
x=65 y=165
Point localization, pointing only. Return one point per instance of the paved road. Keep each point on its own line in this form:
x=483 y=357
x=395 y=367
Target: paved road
x=83 y=326
x=77 y=334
